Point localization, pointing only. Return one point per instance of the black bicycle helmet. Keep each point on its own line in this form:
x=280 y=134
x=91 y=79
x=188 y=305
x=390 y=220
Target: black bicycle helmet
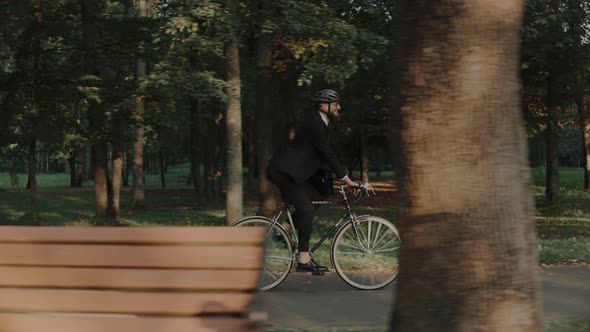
x=326 y=96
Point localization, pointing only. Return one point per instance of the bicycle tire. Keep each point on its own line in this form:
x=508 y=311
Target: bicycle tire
x=367 y=261
x=278 y=256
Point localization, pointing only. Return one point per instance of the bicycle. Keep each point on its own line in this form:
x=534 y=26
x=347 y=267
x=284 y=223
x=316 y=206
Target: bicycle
x=364 y=250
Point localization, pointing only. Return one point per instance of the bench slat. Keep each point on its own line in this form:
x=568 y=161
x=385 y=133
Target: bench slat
x=133 y=235
x=70 y=323
x=115 y=302
x=120 y=278
x=235 y=257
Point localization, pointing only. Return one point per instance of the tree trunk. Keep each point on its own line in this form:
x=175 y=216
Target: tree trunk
x=584 y=113
x=195 y=147
x=252 y=183
x=76 y=171
x=162 y=168
x=268 y=198
x=99 y=161
x=32 y=182
x=234 y=198
x=552 y=143
x=138 y=177
x=220 y=160
x=208 y=160
x=72 y=165
x=117 y=165
x=32 y=158
x=126 y=168
x=96 y=116
x=364 y=156
x=468 y=242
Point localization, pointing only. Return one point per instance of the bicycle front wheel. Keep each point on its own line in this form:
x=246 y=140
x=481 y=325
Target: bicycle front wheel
x=278 y=257
x=366 y=252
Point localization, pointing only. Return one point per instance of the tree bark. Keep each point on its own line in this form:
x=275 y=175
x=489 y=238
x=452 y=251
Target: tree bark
x=117 y=165
x=138 y=178
x=552 y=143
x=364 y=155
x=126 y=168
x=96 y=115
x=195 y=147
x=468 y=241
x=584 y=113
x=76 y=171
x=32 y=182
x=268 y=198
x=234 y=198
x=32 y=158
x=252 y=183
x=162 y=168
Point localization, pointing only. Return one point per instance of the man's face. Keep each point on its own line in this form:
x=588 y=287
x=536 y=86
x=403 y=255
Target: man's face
x=333 y=109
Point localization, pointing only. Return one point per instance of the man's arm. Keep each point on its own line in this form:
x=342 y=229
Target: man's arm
x=319 y=140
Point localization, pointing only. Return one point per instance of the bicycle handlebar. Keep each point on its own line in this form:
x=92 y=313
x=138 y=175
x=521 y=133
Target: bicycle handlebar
x=365 y=192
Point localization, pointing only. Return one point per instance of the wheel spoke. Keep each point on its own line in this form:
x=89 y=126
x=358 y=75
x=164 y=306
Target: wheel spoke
x=384 y=245
x=387 y=250
x=280 y=258
x=366 y=253
x=369 y=235
x=351 y=253
x=386 y=232
x=353 y=246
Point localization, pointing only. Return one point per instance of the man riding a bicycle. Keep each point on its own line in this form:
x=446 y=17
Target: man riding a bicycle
x=300 y=171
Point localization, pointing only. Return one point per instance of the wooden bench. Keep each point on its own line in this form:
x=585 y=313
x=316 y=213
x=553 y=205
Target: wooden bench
x=128 y=279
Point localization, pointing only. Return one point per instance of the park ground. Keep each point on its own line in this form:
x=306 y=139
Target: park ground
x=563 y=229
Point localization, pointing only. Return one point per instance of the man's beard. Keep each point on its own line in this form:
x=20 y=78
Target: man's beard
x=335 y=116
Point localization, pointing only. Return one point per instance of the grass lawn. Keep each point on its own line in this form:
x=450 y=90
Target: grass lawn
x=563 y=229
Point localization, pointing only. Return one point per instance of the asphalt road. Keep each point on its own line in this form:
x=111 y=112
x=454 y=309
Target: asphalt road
x=306 y=301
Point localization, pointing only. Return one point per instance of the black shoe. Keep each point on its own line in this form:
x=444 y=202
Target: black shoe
x=311 y=266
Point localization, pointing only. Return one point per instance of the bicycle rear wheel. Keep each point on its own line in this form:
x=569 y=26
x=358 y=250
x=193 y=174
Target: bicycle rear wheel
x=366 y=253
x=278 y=256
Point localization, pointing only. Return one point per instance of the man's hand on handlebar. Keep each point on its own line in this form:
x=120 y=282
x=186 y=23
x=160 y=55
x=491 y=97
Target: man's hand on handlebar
x=352 y=186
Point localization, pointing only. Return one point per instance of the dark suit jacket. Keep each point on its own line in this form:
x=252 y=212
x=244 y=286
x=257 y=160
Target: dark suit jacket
x=309 y=152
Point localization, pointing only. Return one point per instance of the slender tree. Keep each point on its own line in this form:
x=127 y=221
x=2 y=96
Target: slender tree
x=233 y=118
x=32 y=157
x=96 y=115
x=267 y=195
x=468 y=241
x=138 y=184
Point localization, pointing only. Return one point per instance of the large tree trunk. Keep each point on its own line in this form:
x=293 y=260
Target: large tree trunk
x=234 y=204
x=268 y=199
x=138 y=179
x=468 y=242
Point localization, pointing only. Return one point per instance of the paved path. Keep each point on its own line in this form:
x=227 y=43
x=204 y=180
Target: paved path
x=305 y=301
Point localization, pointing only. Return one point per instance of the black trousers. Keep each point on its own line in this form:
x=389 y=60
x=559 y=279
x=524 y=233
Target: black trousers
x=300 y=195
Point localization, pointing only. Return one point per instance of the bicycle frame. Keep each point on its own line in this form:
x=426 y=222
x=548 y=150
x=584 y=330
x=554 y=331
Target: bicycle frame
x=348 y=216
